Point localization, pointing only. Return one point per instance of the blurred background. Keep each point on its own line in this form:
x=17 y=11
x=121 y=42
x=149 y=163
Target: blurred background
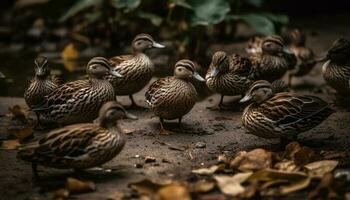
x=70 y=32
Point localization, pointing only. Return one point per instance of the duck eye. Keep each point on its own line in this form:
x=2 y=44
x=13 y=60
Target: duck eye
x=179 y=69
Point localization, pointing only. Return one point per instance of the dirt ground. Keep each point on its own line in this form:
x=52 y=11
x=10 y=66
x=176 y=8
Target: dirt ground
x=221 y=131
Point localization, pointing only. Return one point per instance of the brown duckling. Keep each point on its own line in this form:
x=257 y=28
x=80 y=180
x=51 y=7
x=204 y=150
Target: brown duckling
x=136 y=69
x=78 y=146
x=228 y=75
x=336 y=69
x=174 y=96
x=281 y=115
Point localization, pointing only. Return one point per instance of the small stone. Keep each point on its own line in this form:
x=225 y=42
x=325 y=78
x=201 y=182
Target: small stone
x=138 y=165
x=149 y=159
x=200 y=145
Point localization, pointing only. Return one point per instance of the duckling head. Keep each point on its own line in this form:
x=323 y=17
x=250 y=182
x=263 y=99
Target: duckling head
x=110 y=112
x=185 y=69
x=258 y=92
x=219 y=64
x=142 y=42
x=254 y=45
x=339 y=52
x=41 y=67
x=274 y=45
x=294 y=37
x=98 y=67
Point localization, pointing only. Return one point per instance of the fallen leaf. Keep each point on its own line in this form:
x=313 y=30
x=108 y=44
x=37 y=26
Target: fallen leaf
x=21 y=133
x=254 y=160
x=69 y=57
x=287 y=181
x=304 y=156
x=116 y=196
x=287 y=166
x=329 y=188
x=9 y=144
x=149 y=159
x=231 y=185
x=70 y=52
x=211 y=197
x=202 y=186
x=78 y=186
x=210 y=170
x=329 y=155
x=149 y=187
x=61 y=193
x=320 y=168
x=173 y=192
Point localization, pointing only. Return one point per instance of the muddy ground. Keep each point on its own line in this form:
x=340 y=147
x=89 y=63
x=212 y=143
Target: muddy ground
x=221 y=131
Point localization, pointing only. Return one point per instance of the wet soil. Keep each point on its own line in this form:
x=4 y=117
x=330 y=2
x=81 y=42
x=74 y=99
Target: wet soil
x=176 y=154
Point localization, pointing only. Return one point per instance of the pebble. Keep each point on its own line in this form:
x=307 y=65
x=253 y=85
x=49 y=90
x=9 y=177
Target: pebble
x=200 y=145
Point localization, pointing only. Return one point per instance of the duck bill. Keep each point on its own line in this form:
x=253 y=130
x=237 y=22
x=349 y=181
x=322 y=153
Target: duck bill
x=157 y=45
x=322 y=59
x=246 y=98
x=213 y=73
x=198 y=77
x=287 y=50
x=115 y=73
x=128 y=115
x=2 y=75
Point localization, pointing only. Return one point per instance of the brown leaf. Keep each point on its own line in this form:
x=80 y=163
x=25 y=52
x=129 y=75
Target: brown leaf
x=329 y=188
x=210 y=170
x=254 y=160
x=116 y=196
x=202 y=186
x=22 y=133
x=148 y=187
x=288 y=181
x=212 y=197
x=78 y=186
x=231 y=185
x=9 y=144
x=61 y=193
x=320 y=168
x=304 y=156
x=300 y=155
x=173 y=192
x=287 y=166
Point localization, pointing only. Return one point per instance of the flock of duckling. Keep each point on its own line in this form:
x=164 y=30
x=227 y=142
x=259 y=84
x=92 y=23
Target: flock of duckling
x=87 y=110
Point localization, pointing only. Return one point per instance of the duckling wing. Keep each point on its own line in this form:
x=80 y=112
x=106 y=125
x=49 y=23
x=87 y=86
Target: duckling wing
x=115 y=61
x=288 y=109
x=61 y=145
x=240 y=65
x=67 y=92
x=157 y=89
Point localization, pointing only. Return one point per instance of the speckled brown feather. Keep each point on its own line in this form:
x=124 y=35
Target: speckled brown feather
x=233 y=82
x=171 y=98
x=137 y=71
x=285 y=115
x=76 y=146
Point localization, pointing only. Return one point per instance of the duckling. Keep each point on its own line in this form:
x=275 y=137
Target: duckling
x=273 y=61
x=228 y=75
x=40 y=86
x=254 y=45
x=304 y=55
x=174 y=96
x=78 y=146
x=137 y=69
x=336 y=70
x=283 y=115
x=79 y=101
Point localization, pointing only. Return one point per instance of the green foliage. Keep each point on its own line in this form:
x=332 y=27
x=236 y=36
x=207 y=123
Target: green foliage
x=260 y=23
x=128 y=4
x=79 y=6
x=208 y=12
x=193 y=12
